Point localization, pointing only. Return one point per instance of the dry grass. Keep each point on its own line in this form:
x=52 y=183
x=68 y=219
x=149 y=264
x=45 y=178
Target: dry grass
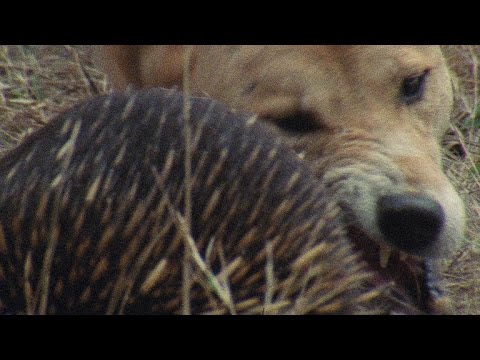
x=462 y=161
x=37 y=82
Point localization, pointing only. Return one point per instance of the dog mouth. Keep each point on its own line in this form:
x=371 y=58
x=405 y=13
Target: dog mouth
x=410 y=284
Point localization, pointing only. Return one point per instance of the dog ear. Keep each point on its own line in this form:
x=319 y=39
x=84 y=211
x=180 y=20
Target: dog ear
x=121 y=64
x=143 y=66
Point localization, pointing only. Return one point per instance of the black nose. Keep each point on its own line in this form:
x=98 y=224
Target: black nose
x=410 y=222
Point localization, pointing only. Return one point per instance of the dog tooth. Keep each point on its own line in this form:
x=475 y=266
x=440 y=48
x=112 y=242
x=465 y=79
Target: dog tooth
x=385 y=253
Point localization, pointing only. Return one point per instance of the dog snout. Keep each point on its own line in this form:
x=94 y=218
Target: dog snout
x=410 y=222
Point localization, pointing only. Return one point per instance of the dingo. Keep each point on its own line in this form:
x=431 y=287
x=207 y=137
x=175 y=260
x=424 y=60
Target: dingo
x=368 y=118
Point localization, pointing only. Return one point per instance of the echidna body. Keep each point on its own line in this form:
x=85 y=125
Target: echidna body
x=108 y=209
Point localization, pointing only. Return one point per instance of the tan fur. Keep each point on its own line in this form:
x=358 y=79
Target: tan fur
x=370 y=143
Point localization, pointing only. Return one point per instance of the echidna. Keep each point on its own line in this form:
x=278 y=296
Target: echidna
x=125 y=204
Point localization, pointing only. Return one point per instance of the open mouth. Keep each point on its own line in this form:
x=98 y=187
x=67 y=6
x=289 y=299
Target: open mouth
x=411 y=282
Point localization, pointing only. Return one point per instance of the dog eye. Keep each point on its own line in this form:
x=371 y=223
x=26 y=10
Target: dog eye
x=298 y=123
x=413 y=88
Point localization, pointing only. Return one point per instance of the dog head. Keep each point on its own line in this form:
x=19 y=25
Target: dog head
x=369 y=118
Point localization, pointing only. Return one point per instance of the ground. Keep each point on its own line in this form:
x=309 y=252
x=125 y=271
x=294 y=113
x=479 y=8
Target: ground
x=37 y=82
